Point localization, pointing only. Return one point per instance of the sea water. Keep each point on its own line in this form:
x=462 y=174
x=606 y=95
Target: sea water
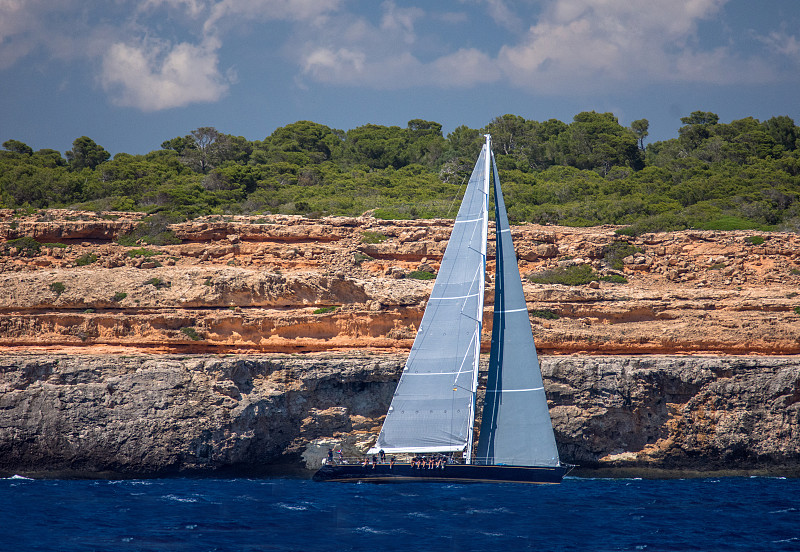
x=300 y=515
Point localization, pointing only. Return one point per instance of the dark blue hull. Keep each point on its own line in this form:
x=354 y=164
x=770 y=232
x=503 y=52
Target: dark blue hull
x=451 y=473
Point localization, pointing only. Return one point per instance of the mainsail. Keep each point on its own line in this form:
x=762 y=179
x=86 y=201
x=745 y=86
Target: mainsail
x=433 y=408
x=515 y=428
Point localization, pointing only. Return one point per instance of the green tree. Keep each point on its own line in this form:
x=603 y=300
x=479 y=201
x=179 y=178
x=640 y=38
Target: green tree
x=178 y=144
x=86 y=154
x=18 y=147
x=783 y=131
x=426 y=145
x=211 y=147
x=377 y=146
x=640 y=128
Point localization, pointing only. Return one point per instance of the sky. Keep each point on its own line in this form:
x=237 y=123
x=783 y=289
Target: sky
x=131 y=74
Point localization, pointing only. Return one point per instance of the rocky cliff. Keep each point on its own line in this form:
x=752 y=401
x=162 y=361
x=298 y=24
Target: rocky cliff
x=260 y=341
x=167 y=414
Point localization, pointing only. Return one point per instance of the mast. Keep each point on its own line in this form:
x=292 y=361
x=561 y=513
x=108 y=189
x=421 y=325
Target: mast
x=485 y=236
x=516 y=428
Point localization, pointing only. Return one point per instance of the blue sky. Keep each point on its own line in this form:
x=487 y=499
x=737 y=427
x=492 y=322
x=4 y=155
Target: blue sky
x=133 y=73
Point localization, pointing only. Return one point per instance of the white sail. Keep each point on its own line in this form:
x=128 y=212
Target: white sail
x=433 y=408
x=516 y=427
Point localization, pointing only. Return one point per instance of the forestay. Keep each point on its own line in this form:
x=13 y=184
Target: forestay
x=516 y=428
x=433 y=407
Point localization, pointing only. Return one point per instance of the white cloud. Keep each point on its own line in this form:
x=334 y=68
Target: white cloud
x=152 y=77
x=586 y=44
x=782 y=43
x=194 y=8
x=400 y=21
x=354 y=52
x=265 y=10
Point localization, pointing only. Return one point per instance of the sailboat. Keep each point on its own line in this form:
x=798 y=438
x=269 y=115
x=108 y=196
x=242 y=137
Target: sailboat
x=432 y=414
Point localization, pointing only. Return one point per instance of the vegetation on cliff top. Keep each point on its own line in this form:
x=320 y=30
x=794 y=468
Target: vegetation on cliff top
x=741 y=175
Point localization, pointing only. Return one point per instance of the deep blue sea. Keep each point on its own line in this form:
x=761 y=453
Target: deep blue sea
x=293 y=514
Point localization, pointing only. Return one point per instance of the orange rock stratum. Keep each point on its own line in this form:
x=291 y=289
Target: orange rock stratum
x=266 y=284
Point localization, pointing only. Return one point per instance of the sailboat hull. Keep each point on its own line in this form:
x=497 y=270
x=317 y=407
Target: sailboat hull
x=451 y=473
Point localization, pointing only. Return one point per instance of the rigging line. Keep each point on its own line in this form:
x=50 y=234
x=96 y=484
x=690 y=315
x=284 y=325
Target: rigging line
x=461 y=186
x=464 y=358
x=468 y=220
x=514 y=390
x=454 y=297
x=433 y=373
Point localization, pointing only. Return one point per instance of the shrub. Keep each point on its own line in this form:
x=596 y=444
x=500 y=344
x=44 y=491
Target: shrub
x=325 y=310
x=797 y=310
x=754 y=240
x=614 y=252
x=191 y=333
x=58 y=287
x=142 y=252
x=86 y=259
x=546 y=314
x=795 y=271
x=359 y=257
x=373 y=237
x=158 y=283
x=716 y=266
x=575 y=275
x=422 y=275
x=614 y=279
x=153 y=230
x=55 y=245
x=119 y=296
x=27 y=246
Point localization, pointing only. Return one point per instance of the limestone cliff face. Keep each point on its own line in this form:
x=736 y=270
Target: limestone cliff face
x=112 y=358
x=257 y=284
x=84 y=415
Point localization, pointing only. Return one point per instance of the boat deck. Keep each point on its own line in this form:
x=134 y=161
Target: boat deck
x=448 y=473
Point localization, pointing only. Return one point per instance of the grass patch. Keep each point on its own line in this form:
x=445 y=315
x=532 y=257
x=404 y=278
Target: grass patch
x=86 y=259
x=373 y=237
x=422 y=275
x=55 y=245
x=754 y=240
x=795 y=272
x=158 y=283
x=191 y=333
x=58 y=287
x=326 y=310
x=727 y=223
x=546 y=314
x=614 y=279
x=717 y=266
x=119 y=296
x=142 y=252
x=576 y=275
x=359 y=257
x=88 y=311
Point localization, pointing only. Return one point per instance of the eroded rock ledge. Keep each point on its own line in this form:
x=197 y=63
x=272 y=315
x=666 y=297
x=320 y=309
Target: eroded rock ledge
x=286 y=284
x=165 y=414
